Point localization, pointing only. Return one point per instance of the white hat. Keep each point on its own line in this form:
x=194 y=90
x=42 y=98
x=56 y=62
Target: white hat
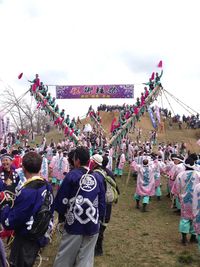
x=177 y=157
x=190 y=166
x=98 y=159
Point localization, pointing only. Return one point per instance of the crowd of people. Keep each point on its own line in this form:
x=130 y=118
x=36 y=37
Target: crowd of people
x=76 y=179
x=183 y=180
x=71 y=188
x=27 y=174
x=191 y=122
x=188 y=122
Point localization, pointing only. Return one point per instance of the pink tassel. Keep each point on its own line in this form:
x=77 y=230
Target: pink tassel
x=160 y=64
x=45 y=102
x=38 y=105
x=57 y=121
x=20 y=75
x=72 y=131
x=66 y=130
x=152 y=76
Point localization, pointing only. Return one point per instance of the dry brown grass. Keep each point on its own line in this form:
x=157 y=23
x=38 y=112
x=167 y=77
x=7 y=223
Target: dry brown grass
x=133 y=238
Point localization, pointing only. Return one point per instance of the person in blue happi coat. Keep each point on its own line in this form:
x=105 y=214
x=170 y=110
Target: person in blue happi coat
x=22 y=214
x=80 y=203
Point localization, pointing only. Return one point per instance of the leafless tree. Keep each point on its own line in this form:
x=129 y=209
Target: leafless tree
x=23 y=111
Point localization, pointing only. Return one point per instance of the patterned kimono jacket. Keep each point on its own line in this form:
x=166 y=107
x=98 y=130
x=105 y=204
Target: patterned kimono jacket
x=45 y=169
x=196 y=208
x=55 y=166
x=130 y=152
x=59 y=165
x=122 y=161
x=168 y=167
x=173 y=172
x=159 y=166
x=110 y=159
x=49 y=153
x=145 y=179
x=184 y=188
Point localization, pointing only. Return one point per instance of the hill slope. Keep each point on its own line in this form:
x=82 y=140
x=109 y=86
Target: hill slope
x=171 y=134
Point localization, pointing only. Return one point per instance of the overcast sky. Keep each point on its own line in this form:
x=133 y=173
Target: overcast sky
x=101 y=42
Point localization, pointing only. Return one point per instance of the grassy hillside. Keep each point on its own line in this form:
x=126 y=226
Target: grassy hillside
x=173 y=135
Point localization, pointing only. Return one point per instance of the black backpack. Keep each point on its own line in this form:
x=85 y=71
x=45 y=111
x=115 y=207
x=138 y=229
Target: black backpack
x=44 y=215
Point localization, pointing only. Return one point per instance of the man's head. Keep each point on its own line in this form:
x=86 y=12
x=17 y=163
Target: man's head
x=193 y=156
x=95 y=161
x=177 y=159
x=145 y=162
x=59 y=150
x=6 y=161
x=15 y=152
x=65 y=153
x=3 y=151
x=31 y=163
x=81 y=156
x=189 y=163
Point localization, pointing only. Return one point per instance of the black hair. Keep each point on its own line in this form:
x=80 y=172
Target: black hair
x=3 y=151
x=71 y=157
x=82 y=153
x=189 y=161
x=193 y=156
x=32 y=162
x=173 y=155
x=105 y=161
x=15 y=152
x=145 y=162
